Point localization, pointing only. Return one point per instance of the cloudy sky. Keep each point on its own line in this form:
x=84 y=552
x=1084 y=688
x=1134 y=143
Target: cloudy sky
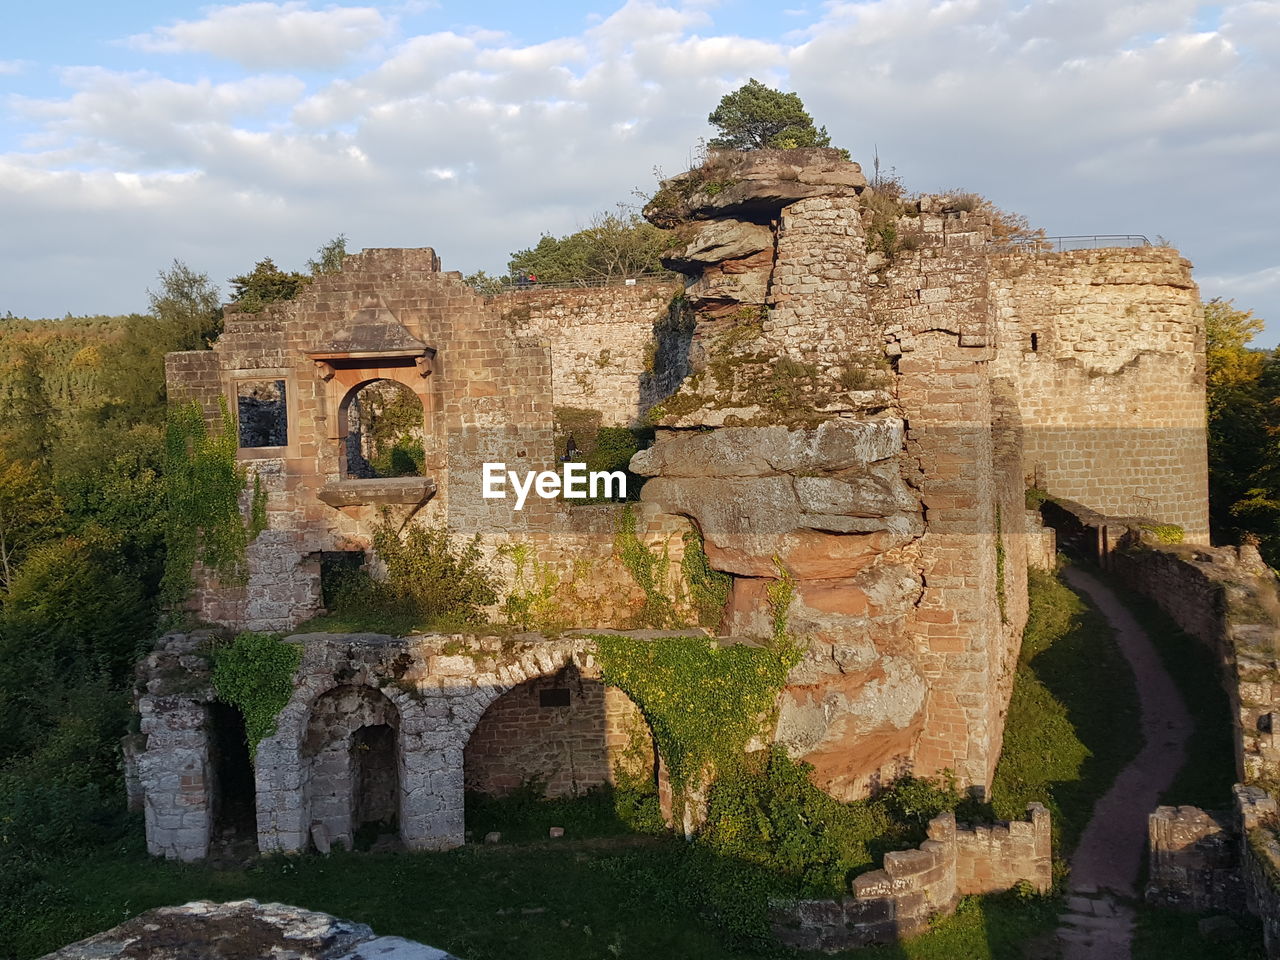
x=138 y=131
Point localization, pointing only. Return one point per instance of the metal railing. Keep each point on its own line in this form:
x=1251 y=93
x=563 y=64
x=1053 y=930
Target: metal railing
x=528 y=286
x=1060 y=244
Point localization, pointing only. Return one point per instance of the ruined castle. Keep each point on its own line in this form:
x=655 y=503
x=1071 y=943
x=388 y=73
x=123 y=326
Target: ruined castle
x=852 y=393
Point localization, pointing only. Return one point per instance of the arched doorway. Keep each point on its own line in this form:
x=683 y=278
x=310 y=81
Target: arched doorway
x=559 y=736
x=354 y=760
x=383 y=431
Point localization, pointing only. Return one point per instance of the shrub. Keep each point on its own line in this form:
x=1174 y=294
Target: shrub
x=769 y=813
x=431 y=576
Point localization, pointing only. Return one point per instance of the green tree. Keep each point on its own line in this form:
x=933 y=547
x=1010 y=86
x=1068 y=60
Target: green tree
x=755 y=117
x=30 y=427
x=266 y=283
x=30 y=514
x=328 y=258
x=613 y=246
x=184 y=315
x=1242 y=386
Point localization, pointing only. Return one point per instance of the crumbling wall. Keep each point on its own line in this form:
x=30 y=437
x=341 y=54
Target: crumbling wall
x=1193 y=859
x=486 y=385
x=428 y=694
x=1260 y=861
x=912 y=603
x=616 y=349
x=915 y=886
x=1219 y=861
x=174 y=768
x=1104 y=354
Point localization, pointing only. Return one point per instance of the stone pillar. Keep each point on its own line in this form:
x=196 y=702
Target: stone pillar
x=946 y=394
x=283 y=785
x=176 y=777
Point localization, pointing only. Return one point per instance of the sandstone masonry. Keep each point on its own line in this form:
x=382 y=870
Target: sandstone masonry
x=865 y=417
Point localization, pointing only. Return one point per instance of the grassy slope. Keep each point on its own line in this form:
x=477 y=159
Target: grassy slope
x=1073 y=717
x=549 y=901
x=1206 y=781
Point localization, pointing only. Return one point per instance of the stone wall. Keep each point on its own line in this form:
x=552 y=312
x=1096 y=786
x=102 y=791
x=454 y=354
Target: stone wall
x=1103 y=354
x=566 y=733
x=416 y=701
x=1193 y=859
x=1224 y=596
x=862 y=413
x=1260 y=861
x=1217 y=861
x=917 y=885
x=174 y=768
x=617 y=349
x=488 y=374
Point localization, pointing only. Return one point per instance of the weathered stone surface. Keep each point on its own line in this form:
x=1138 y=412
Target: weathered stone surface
x=768 y=451
x=203 y=930
x=714 y=241
x=854 y=725
x=915 y=886
x=733 y=283
x=754 y=184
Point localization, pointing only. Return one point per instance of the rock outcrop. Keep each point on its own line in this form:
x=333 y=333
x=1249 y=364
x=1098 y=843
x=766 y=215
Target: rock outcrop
x=241 y=930
x=774 y=245
x=787 y=454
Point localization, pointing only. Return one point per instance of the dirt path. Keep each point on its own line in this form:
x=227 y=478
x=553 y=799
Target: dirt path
x=1098 y=924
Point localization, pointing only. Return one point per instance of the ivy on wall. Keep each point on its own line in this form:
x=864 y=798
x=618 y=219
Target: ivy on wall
x=708 y=588
x=648 y=568
x=203 y=485
x=255 y=673
x=532 y=603
x=703 y=702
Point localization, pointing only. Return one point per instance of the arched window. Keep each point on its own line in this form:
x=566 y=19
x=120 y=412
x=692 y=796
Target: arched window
x=384 y=433
x=353 y=755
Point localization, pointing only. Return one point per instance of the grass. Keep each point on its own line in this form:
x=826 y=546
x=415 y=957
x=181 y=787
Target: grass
x=1073 y=717
x=1206 y=779
x=1170 y=935
x=525 y=815
x=553 y=900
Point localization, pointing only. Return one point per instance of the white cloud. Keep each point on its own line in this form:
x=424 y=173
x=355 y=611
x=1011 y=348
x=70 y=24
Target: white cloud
x=273 y=35
x=1091 y=117
x=1266 y=280
x=12 y=66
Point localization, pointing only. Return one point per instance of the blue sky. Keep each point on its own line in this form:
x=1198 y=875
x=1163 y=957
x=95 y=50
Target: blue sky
x=139 y=131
